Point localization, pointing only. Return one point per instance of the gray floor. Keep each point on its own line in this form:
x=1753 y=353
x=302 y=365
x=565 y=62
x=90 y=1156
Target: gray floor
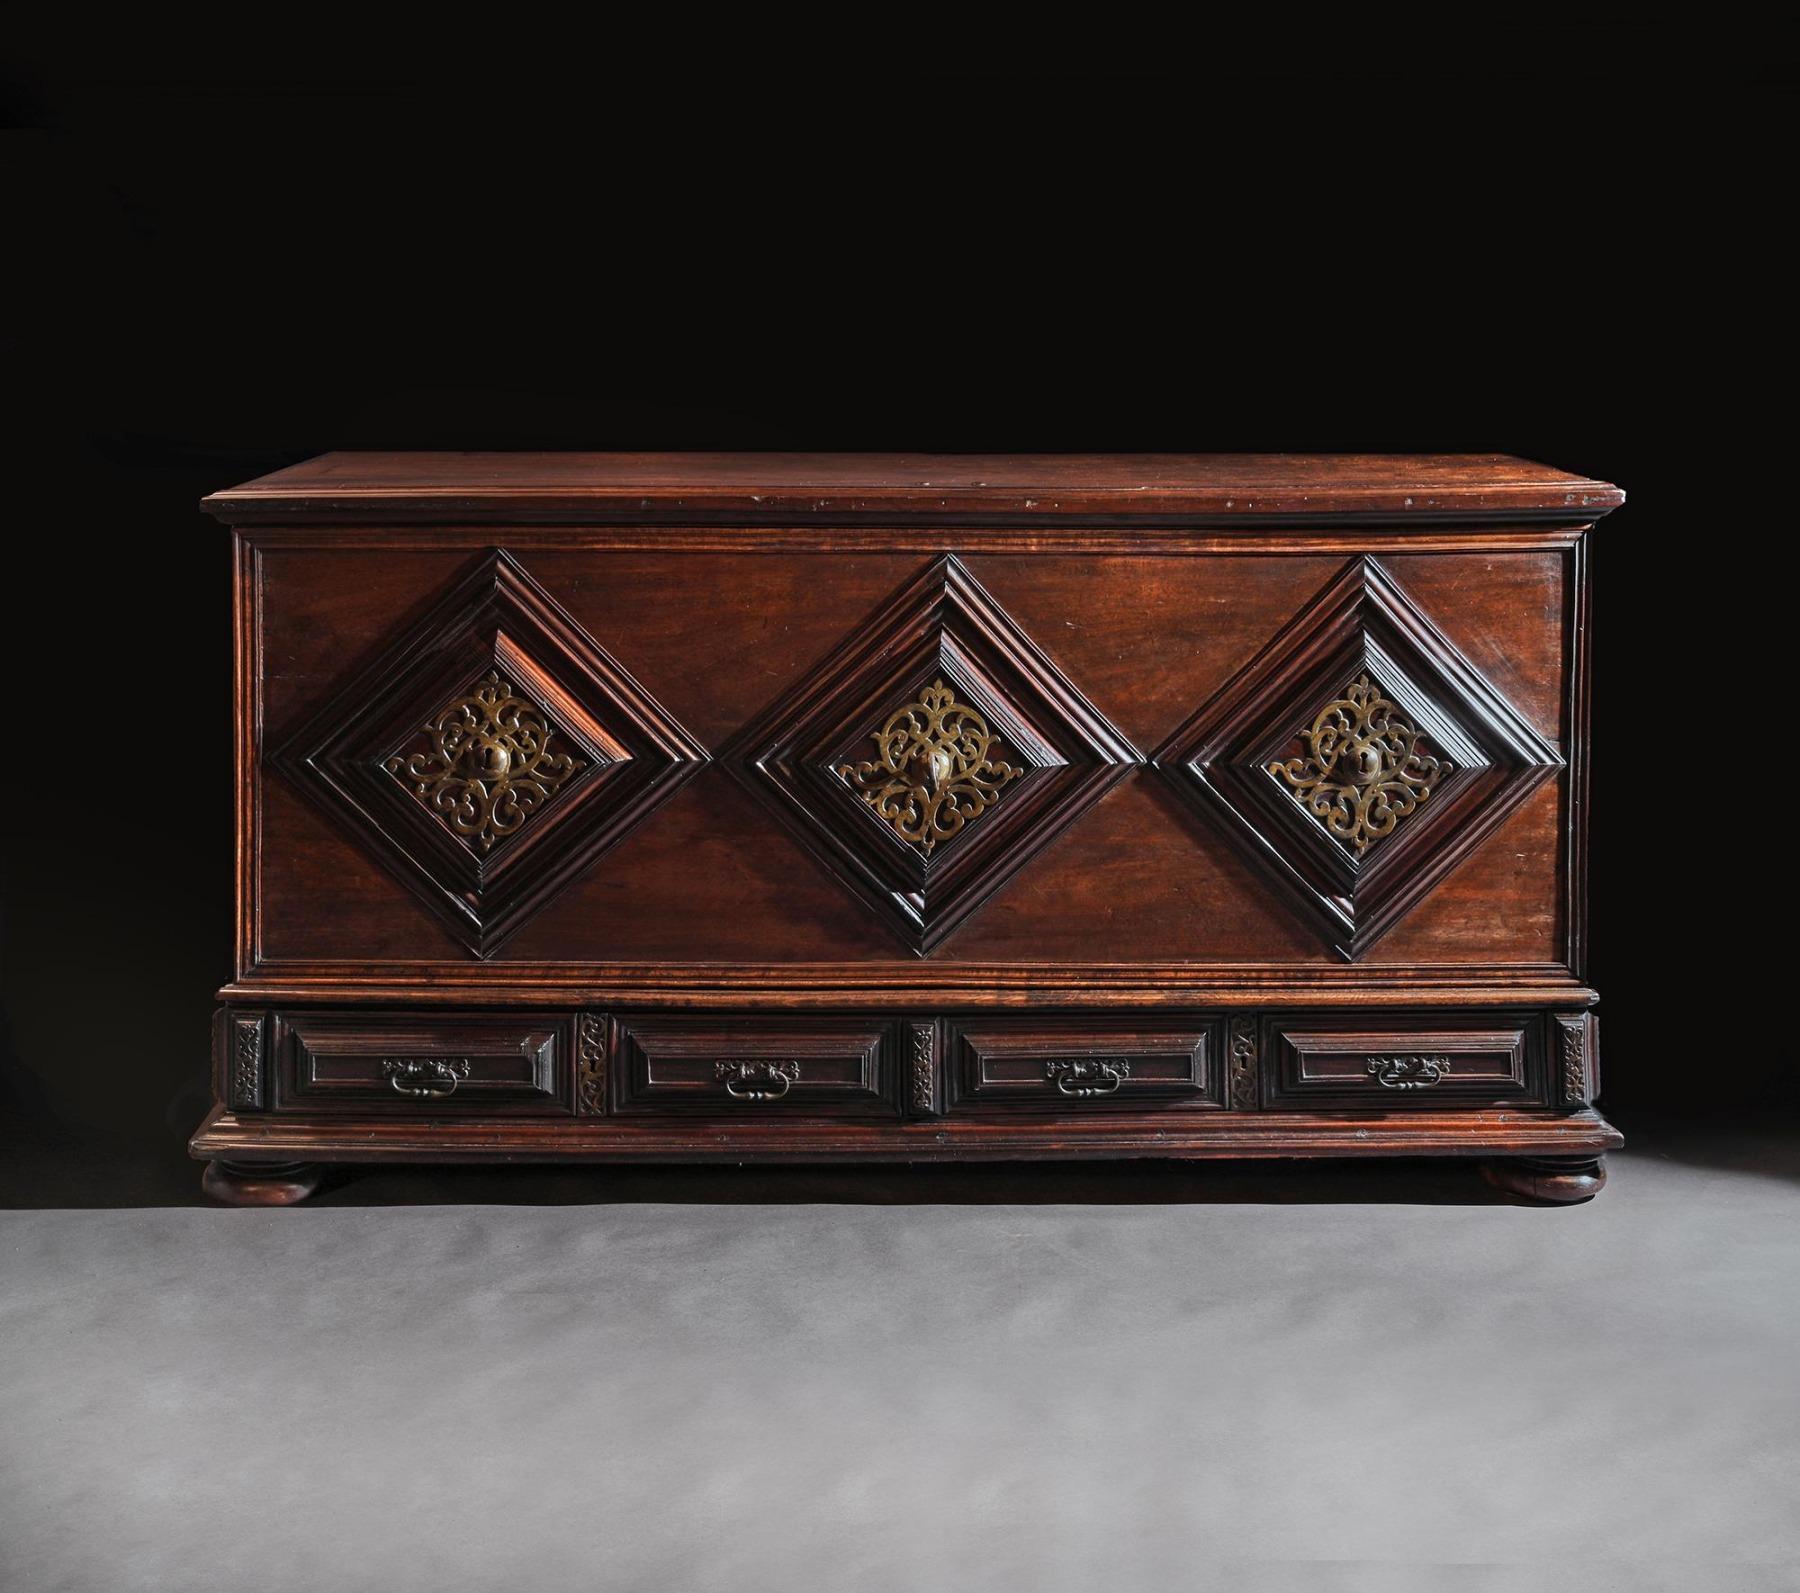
x=1164 y=1395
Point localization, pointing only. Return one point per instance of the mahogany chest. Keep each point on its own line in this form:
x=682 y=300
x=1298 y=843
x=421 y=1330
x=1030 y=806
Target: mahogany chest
x=605 y=807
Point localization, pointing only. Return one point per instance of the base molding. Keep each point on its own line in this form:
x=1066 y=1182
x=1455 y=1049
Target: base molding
x=1552 y=1180
x=253 y=1138
x=260 y=1184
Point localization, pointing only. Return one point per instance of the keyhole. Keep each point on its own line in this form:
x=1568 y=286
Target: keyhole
x=1363 y=764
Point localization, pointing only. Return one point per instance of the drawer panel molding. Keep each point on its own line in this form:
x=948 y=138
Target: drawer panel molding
x=1410 y=1062
x=469 y=1063
x=730 y=1067
x=1086 y=1064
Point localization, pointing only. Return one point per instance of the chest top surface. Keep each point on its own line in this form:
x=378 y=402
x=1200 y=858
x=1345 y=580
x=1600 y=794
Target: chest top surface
x=676 y=488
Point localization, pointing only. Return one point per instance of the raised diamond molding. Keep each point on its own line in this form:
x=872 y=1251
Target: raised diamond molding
x=490 y=753
x=931 y=756
x=1359 y=757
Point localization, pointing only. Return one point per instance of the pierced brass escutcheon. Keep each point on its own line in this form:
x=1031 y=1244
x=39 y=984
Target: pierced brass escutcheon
x=935 y=769
x=1363 y=770
x=486 y=766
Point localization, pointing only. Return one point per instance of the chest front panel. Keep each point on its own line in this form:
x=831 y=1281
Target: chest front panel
x=1056 y=834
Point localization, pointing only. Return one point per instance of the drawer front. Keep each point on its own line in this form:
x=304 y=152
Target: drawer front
x=1414 y=1062
x=1085 y=1065
x=415 y=1063
x=754 y=1067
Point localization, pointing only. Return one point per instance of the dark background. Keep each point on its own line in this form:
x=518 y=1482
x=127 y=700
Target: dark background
x=220 y=269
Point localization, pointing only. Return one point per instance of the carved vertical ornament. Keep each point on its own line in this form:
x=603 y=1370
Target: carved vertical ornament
x=1243 y=1064
x=924 y=1067
x=1577 y=1087
x=246 y=1064
x=591 y=1064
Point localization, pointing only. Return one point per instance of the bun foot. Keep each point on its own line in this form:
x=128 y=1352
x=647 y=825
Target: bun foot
x=267 y=1184
x=1555 y=1180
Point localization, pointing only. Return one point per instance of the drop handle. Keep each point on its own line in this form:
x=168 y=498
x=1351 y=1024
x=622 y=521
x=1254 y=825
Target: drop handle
x=757 y=1081
x=1408 y=1072
x=1082 y=1079
x=443 y=1074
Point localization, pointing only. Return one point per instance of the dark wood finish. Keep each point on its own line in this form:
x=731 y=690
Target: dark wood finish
x=1200 y=1135
x=643 y=806
x=940 y=638
x=1361 y=628
x=241 y=1059
x=1404 y=1061
x=466 y=1064
x=750 y=1068
x=284 y=1184
x=1552 y=1181
x=691 y=488
x=496 y=625
x=1085 y=1065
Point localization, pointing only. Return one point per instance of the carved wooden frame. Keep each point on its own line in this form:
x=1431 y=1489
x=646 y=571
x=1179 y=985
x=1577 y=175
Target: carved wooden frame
x=941 y=625
x=1401 y=1038
x=495 y=616
x=1362 y=620
x=864 y=1051
x=1185 y=1053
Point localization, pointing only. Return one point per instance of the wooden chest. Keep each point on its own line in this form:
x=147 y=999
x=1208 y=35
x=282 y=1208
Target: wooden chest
x=660 y=807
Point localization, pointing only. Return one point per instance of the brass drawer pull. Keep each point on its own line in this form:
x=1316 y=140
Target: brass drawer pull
x=757 y=1081
x=1408 y=1072
x=445 y=1072
x=1072 y=1076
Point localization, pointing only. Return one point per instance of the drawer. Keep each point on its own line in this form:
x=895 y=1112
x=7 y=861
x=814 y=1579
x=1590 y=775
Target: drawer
x=421 y=1063
x=1409 y=1062
x=750 y=1067
x=1085 y=1065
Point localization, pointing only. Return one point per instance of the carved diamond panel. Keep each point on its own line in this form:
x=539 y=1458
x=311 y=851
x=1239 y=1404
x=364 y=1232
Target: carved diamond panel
x=491 y=753
x=1359 y=757
x=930 y=757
